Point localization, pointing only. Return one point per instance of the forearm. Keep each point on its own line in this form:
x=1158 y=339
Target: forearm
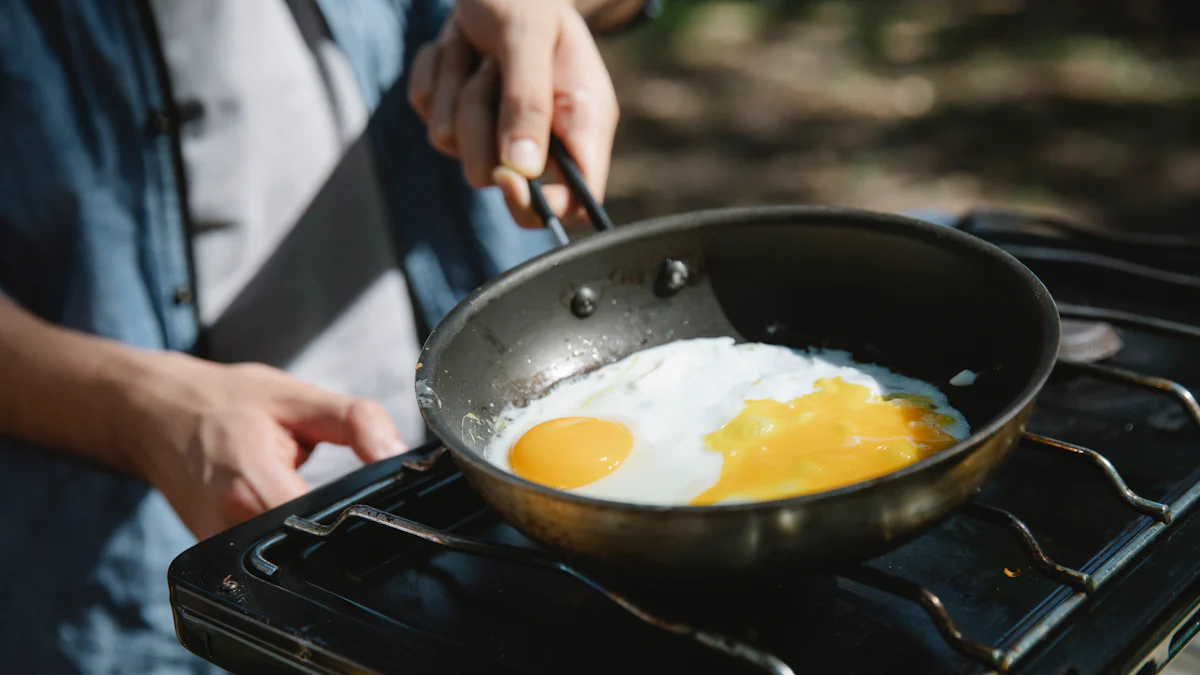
x=66 y=390
x=605 y=15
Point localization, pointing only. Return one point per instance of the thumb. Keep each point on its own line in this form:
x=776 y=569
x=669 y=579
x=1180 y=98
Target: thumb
x=525 y=57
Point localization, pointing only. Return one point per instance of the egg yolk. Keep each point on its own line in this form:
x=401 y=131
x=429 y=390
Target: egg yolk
x=570 y=452
x=839 y=434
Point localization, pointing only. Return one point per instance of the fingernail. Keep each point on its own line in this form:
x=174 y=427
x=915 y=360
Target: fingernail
x=396 y=447
x=526 y=158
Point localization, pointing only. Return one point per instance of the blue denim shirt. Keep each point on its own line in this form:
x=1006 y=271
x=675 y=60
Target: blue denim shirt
x=93 y=236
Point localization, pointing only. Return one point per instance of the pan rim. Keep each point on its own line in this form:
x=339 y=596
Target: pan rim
x=458 y=316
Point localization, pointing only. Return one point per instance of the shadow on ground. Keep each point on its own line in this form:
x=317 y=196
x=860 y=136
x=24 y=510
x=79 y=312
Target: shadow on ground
x=1086 y=109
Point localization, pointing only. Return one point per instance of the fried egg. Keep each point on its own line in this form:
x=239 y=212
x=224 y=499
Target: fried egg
x=707 y=421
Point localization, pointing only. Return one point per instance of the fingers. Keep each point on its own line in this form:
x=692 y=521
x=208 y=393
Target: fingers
x=252 y=469
x=314 y=415
x=526 y=57
x=453 y=68
x=515 y=189
x=359 y=423
x=542 y=71
x=475 y=124
x=372 y=434
x=423 y=79
x=277 y=484
x=236 y=445
x=585 y=106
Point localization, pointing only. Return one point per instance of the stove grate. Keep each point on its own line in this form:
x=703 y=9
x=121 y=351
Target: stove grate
x=328 y=521
x=1064 y=575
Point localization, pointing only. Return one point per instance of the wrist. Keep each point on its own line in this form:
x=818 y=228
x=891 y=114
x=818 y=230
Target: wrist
x=80 y=394
x=153 y=397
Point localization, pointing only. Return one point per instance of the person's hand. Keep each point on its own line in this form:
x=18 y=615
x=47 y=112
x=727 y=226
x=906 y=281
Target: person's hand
x=503 y=74
x=222 y=443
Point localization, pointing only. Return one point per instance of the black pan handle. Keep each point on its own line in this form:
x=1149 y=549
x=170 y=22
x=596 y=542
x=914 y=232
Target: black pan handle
x=541 y=207
x=574 y=179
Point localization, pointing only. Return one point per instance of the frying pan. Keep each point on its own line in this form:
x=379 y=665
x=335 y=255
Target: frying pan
x=921 y=299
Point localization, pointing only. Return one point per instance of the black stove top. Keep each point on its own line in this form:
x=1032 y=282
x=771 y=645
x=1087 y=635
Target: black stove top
x=1082 y=556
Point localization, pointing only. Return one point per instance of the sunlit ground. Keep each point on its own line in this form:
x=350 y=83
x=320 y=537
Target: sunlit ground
x=1086 y=109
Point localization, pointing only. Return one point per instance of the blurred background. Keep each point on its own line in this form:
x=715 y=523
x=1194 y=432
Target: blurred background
x=1088 y=109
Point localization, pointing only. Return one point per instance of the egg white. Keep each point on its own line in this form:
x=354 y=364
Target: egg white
x=671 y=396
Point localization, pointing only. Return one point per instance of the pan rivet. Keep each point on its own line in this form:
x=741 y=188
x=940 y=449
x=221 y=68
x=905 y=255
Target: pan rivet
x=583 y=304
x=673 y=276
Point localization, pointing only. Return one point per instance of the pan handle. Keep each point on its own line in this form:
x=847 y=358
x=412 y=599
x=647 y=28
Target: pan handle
x=574 y=179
